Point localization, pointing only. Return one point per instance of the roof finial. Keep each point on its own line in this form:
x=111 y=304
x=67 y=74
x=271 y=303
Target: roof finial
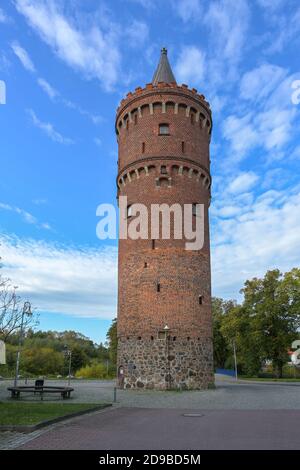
x=163 y=72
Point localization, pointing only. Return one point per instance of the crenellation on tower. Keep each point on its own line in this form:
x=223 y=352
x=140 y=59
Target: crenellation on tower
x=164 y=330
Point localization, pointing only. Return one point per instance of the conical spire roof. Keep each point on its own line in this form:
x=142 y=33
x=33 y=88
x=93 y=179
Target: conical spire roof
x=163 y=72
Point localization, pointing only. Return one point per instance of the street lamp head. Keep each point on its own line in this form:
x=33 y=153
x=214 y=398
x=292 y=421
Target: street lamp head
x=27 y=309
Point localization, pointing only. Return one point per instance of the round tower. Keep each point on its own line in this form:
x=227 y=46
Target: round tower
x=164 y=296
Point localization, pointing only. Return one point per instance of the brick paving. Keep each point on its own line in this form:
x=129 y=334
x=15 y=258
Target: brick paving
x=275 y=402
x=154 y=429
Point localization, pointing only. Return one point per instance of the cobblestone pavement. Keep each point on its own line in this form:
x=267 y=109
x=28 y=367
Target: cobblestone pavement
x=228 y=395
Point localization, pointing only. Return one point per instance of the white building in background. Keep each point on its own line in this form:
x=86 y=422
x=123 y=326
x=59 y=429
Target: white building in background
x=2 y=352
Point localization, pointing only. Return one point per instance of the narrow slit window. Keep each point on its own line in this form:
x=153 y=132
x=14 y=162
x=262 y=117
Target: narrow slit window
x=163 y=170
x=127 y=124
x=153 y=244
x=192 y=118
x=200 y=299
x=145 y=265
x=194 y=209
x=158 y=287
x=183 y=147
x=143 y=147
x=135 y=119
x=164 y=129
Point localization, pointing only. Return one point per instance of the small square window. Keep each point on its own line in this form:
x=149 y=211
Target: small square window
x=164 y=129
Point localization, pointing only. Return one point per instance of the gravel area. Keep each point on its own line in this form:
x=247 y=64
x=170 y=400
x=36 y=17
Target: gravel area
x=228 y=395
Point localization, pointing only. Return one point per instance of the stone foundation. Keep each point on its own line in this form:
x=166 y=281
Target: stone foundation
x=165 y=364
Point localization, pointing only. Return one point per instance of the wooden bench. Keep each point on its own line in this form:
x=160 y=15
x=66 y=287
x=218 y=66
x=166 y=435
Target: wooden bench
x=65 y=392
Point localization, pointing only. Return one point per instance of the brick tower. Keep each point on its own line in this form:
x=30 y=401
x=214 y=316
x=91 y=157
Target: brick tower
x=164 y=299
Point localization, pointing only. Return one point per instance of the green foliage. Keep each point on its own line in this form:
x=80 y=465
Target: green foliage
x=112 y=341
x=40 y=361
x=43 y=353
x=220 y=308
x=94 y=371
x=263 y=326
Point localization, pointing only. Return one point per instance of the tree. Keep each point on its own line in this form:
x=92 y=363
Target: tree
x=266 y=323
x=11 y=308
x=42 y=361
x=222 y=349
x=112 y=341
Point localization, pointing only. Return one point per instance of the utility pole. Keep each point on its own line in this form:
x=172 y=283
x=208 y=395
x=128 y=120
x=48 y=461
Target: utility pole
x=26 y=311
x=68 y=354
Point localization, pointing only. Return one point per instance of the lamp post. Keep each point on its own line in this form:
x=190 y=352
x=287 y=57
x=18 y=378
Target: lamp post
x=68 y=354
x=26 y=311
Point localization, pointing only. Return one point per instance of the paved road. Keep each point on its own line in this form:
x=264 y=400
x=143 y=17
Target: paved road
x=234 y=416
x=155 y=429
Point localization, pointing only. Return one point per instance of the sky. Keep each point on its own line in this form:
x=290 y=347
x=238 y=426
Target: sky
x=66 y=66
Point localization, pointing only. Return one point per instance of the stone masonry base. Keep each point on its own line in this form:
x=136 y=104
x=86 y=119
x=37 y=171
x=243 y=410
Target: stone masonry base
x=165 y=364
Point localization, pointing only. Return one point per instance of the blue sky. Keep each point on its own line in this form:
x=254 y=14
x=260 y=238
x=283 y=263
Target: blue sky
x=67 y=64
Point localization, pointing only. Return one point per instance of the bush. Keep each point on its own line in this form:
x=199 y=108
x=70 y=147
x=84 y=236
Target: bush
x=42 y=361
x=94 y=371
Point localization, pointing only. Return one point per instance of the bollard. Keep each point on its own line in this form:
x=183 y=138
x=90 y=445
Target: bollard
x=115 y=394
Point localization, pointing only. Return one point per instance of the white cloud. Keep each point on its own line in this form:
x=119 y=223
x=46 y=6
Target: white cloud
x=23 y=57
x=48 y=89
x=3 y=17
x=271 y=122
x=272 y=4
x=285 y=26
x=55 y=95
x=148 y=4
x=49 y=129
x=261 y=81
x=137 y=33
x=190 y=65
x=228 y=22
x=77 y=281
x=95 y=118
x=241 y=134
x=188 y=10
x=26 y=216
x=264 y=235
x=89 y=50
x=243 y=182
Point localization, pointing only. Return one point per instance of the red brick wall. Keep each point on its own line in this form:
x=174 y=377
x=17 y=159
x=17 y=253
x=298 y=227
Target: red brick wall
x=183 y=275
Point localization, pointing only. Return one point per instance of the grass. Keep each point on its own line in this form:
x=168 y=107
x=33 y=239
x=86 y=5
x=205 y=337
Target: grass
x=33 y=413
